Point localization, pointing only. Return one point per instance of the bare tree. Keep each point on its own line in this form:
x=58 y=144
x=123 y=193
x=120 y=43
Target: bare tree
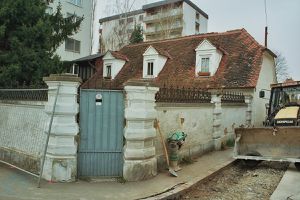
x=119 y=34
x=281 y=68
x=168 y=20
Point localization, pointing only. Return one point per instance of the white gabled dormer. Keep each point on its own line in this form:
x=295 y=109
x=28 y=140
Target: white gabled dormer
x=111 y=65
x=208 y=58
x=153 y=62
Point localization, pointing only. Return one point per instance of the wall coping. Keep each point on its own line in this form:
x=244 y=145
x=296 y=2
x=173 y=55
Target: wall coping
x=178 y=105
x=63 y=77
x=140 y=82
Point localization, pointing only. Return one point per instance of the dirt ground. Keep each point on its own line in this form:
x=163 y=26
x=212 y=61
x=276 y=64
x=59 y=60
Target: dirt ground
x=239 y=182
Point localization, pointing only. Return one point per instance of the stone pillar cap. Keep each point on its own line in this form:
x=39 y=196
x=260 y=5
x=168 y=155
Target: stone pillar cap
x=140 y=82
x=63 y=77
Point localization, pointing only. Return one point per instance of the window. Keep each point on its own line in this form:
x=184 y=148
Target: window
x=121 y=21
x=76 y=2
x=141 y=17
x=130 y=20
x=150 y=69
x=197 y=27
x=197 y=16
x=75 y=69
x=72 y=45
x=108 y=70
x=205 y=65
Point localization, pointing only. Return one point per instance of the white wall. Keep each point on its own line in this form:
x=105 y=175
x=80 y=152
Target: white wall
x=84 y=34
x=266 y=77
x=198 y=124
x=203 y=24
x=233 y=116
x=189 y=19
x=22 y=127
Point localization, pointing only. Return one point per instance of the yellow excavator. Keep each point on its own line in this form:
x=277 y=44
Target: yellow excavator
x=279 y=139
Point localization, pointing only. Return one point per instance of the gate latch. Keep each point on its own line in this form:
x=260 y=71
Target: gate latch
x=98 y=100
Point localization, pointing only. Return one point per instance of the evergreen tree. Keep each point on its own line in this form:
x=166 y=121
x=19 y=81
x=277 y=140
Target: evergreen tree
x=28 y=40
x=137 y=35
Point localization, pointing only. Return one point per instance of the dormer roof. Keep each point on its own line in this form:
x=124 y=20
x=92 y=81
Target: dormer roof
x=117 y=55
x=156 y=50
x=239 y=67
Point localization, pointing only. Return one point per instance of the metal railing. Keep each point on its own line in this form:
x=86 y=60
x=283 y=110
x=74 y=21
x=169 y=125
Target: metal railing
x=232 y=97
x=182 y=95
x=24 y=94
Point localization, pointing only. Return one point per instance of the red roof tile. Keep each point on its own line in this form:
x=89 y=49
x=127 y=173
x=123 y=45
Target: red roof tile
x=239 y=67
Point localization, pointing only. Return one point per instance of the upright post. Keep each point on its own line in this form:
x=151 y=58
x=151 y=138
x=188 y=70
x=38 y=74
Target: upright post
x=139 y=154
x=61 y=156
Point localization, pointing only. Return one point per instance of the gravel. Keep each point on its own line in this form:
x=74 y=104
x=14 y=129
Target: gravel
x=240 y=182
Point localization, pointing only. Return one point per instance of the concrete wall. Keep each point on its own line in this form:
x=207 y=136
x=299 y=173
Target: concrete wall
x=266 y=78
x=189 y=20
x=84 y=34
x=199 y=124
x=233 y=116
x=22 y=137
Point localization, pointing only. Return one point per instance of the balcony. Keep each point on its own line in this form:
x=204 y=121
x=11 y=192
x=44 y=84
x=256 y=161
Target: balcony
x=176 y=13
x=159 y=28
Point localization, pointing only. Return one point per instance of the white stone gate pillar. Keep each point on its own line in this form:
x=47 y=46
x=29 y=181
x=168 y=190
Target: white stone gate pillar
x=248 y=101
x=139 y=154
x=217 y=121
x=61 y=157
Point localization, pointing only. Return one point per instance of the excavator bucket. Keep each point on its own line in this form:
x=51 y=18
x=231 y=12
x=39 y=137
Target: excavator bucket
x=270 y=144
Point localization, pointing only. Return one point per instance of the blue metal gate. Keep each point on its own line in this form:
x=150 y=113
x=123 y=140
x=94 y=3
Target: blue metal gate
x=100 y=150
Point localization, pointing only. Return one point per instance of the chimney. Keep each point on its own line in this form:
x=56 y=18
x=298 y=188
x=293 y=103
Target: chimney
x=266 y=36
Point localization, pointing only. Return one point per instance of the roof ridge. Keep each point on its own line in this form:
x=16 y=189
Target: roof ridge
x=187 y=37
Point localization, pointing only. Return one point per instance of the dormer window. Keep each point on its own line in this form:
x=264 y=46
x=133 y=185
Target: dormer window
x=208 y=58
x=113 y=63
x=154 y=61
x=150 y=69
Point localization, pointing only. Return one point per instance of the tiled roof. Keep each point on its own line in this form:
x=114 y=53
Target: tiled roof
x=239 y=67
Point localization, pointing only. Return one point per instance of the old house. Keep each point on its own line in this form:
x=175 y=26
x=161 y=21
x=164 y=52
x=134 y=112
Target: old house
x=229 y=61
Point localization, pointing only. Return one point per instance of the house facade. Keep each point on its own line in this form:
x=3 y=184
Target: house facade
x=231 y=61
x=80 y=44
x=160 y=20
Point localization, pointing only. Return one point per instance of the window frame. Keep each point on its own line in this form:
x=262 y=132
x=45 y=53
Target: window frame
x=75 y=45
x=151 y=69
x=108 y=70
x=207 y=62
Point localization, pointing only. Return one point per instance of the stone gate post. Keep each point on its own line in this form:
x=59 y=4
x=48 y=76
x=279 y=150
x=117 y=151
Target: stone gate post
x=139 y=154
x=248 y=101
x=61 y=157
x=217 y=121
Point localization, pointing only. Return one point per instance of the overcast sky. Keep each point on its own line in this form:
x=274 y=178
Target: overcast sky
x=283 y=22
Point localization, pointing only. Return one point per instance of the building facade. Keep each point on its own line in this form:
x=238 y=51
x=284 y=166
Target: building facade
x=80 y=44
x=160 y=20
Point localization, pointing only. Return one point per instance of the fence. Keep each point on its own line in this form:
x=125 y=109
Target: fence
x=182 y=95
x=232 y=97
x=22 y=124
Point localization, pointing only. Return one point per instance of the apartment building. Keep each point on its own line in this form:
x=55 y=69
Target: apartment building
x=80 y=44
x=115 y=31
x=160 y=20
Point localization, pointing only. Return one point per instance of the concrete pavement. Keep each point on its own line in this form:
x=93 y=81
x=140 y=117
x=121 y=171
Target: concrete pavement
x=17 y=185
x=289 y=186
